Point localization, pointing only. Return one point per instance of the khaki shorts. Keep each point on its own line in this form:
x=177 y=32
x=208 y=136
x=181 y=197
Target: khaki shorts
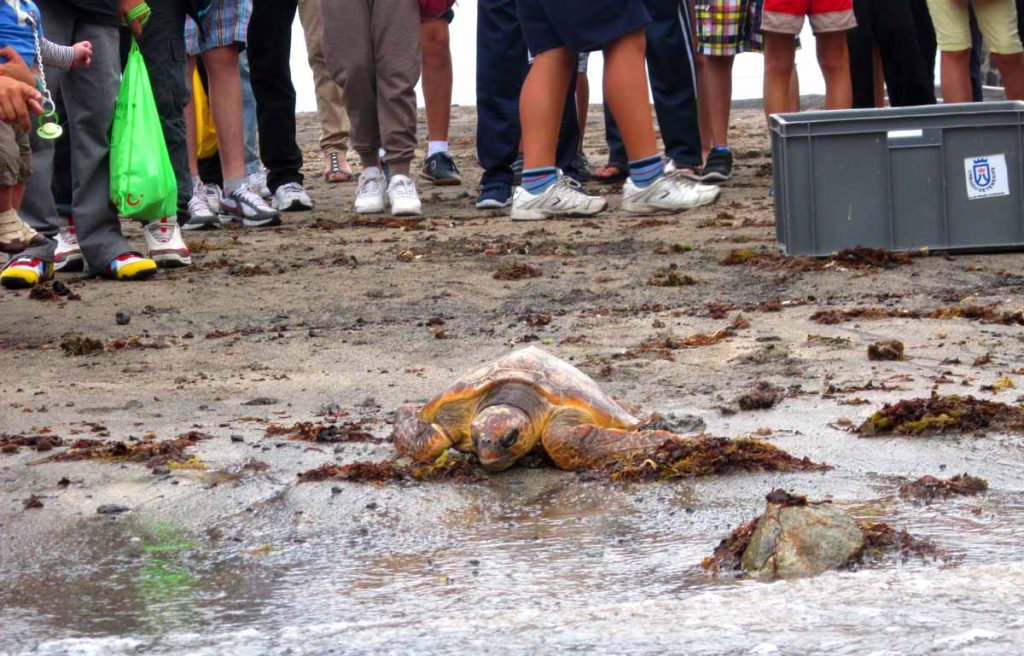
x=15 y=155
x=996 y=18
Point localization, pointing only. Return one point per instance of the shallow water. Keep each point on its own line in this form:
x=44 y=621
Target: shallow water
x=533 y=562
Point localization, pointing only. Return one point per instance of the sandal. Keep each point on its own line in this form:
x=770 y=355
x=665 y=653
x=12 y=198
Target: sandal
x=335 y=172
x=610 y=173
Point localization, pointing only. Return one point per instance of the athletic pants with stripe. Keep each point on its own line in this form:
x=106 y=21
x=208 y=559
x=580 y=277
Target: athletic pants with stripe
x=671 y=64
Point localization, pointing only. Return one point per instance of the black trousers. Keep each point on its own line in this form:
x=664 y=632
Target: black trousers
x=501 y=68
x=670 y=63
x=887 y=24
x=163 y=47
x=269 y=48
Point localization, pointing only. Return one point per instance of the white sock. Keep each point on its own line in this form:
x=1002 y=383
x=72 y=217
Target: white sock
x=435 y=147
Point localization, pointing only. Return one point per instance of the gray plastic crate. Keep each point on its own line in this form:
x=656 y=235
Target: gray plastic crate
x=945 y=177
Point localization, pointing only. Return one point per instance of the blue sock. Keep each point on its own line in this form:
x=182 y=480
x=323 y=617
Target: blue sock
x=537 y=181
x=645 y=171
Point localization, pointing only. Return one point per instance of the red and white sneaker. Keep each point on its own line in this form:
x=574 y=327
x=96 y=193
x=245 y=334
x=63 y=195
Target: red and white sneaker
x=166 y=247
x=68 y=256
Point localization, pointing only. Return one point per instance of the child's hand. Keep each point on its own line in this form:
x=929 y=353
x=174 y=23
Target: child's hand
x=83 y=54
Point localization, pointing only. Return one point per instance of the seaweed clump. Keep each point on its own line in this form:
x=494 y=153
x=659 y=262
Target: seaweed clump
x=929 y=488
x=447 y=468
x=661 y=346
x=764 y=396
x=14 y=443
x=705 y=456
x=890 y=349
x=881 y=540
x=150 y=453
x=941 y=414
x=308 y=431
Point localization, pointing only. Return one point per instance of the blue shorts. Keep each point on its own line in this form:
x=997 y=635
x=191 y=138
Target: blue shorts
x=578 y=25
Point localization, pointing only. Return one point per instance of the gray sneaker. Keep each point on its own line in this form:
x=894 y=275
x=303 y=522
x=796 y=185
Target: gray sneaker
x=246 y=206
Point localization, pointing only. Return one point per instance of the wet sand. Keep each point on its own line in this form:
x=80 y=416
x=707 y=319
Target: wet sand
x=351 y=317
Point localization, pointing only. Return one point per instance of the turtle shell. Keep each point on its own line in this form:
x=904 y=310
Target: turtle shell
x=560 y=383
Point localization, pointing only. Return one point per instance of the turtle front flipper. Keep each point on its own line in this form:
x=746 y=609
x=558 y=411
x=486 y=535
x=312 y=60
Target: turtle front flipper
x=587 y=446
x=417 y=439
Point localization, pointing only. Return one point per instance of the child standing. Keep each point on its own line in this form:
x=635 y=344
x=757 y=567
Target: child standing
x=556 y=30
x=783 y=20
x=373 y=51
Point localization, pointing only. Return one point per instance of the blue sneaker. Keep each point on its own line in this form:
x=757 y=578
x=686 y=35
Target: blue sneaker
x=494 y=196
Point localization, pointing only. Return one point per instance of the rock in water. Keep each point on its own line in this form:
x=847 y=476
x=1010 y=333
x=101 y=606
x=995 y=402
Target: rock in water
x=793 y=541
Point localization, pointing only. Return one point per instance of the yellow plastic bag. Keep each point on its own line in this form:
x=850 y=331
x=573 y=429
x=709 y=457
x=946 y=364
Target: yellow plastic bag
x=206 y=133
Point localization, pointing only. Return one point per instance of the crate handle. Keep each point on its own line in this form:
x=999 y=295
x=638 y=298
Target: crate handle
x=905 y=134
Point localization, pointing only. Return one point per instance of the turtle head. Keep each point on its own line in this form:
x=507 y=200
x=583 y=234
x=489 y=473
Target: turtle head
x=501 y=435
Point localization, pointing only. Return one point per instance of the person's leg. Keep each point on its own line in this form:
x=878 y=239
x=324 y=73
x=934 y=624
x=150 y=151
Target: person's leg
x=269 y=39
x=226 y=106
x=861 y=43
x=250 y=125
x=90 y=94
x=834 y=59
x=163 y=48
x=998 y=22
x=718 y=97
x=582 y=96
x=924 y=31
x=671 y=65
x=542 y=104
x=438 y=165
x=907 y=75
x=626 y=93
x=779 y=69
x=330 y=100
x=501 y=68
x=953 y=35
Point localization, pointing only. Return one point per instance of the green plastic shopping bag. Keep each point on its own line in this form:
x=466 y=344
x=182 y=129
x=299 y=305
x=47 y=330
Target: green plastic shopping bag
x=142 y=182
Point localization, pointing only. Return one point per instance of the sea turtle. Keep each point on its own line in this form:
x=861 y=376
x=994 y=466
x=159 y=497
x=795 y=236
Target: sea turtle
x=503 y=410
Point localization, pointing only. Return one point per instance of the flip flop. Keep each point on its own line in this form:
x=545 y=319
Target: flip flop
x=334 y=172
x=601 y=175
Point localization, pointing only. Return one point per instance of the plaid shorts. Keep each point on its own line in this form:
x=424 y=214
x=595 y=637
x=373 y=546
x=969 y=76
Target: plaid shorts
x=226 y=22
x=729 y=27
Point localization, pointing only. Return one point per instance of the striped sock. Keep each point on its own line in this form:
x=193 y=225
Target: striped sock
x=645 y=171
x=537 y=181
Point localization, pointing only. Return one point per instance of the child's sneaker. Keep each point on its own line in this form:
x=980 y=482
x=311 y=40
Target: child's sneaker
x=370 y=192
x=130 y=266
x=68 y=255
x=403 y=198
x=564 y=198
x=245 y=205
x=718 y=168
x=494 y=196
x=669 y=193
x=166 y=247
x=25 y=272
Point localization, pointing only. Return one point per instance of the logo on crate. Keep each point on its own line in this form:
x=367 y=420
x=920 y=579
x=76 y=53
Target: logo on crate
x=987 y=177
x=983 y=178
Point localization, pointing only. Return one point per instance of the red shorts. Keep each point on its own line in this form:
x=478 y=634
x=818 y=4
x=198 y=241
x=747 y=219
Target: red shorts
x=787 y=16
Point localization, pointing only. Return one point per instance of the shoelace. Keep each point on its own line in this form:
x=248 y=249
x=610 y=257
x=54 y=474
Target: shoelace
x=404 y=188
x=198 y=203
x=246 y=195
x=370 y=186
x=291 y=187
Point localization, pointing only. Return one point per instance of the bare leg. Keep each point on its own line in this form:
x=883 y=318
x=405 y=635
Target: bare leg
x=1011 y=67
x=541 y=105
x=437 y=77
x=417 y=439
x=625 y=89
x=879 y=77
x=956 y=79
x=226 y=107
x=706 y=140
x=834 y=59
x=779 y=69
x=718 y=97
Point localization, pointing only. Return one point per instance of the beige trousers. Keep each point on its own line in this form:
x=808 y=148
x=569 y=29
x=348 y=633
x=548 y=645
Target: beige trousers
x=330 y=100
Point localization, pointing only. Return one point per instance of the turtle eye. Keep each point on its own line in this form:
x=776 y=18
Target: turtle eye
x=510 y=438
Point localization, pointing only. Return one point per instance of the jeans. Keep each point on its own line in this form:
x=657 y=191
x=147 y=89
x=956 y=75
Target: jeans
x=252 y=153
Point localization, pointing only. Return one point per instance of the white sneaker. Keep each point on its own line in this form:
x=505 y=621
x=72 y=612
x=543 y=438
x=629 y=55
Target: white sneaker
x=201 y=214
x=247 y=206
x=669 y=193
x=670 y=167
x=68 y=256
x=291 y=197
x=370 y=192
x=403 y=198
x=564 y=198
x=258 y=183
x=166 y=247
